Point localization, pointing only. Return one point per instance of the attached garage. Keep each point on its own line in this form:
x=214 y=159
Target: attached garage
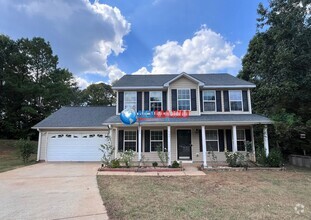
x=73 y=134
x=75 y=147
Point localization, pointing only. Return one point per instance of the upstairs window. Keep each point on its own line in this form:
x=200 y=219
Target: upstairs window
x=156 y=140
x=183 y=99
x=130 y=100
x=235 y=97
x=211 y=140
x=130 y=140
x=155 y=101
x=209 y=100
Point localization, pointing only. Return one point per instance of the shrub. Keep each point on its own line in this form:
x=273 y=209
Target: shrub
x=261 y=156
x=236 y=159
x=127 y=157
x=115 y=163
x=26 y=148
x=155 y=164
x=163 y=156
x=175 y=164
x=275 y=158
x=108 y=151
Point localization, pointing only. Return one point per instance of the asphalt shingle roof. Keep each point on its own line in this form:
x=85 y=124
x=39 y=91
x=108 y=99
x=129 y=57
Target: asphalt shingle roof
x=75 y=117
x=214 y=79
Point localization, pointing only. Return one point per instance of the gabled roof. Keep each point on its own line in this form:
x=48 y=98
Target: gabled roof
x=159 y=81
x=77 y=117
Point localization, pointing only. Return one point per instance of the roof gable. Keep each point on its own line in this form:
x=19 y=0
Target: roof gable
x=183 y=74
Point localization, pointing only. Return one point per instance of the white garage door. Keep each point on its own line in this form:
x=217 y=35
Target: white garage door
x=75 y=147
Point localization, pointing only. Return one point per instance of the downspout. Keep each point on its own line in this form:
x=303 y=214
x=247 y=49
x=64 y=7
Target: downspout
x=39 y=145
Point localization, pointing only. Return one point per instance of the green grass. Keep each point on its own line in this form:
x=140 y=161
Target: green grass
x=9 y=156
x=218 y=195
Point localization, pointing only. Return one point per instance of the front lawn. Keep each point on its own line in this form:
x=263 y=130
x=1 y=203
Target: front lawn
x=218 y=195
x=9 y=155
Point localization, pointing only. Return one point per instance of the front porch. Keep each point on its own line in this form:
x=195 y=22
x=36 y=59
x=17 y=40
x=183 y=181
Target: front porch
x=189 y=144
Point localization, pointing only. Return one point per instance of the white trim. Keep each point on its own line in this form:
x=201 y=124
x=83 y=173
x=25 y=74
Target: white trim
x=265 y=140
x=215 y=102
x=236 y=101
x=229 y=87
x=169 y=145
x=184 y=99
x=249 y=101
x=213 y=140
x=139 y=143
x=117 y=103
x=234 y=139
x=204 y=146
x=46 y=146
x=39 y=146
x=185 y=75
x=137 y=87
x=156 y=140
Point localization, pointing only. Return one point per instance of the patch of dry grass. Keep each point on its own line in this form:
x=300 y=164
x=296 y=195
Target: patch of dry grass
x=9 y=156
x=218 y=195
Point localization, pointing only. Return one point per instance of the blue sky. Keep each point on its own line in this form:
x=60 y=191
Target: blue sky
x=103 y=40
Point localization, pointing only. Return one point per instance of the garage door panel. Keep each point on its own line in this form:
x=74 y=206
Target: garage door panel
x=75 y=147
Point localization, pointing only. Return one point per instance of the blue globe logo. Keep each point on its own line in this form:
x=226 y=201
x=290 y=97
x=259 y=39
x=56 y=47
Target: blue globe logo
x=128 y=116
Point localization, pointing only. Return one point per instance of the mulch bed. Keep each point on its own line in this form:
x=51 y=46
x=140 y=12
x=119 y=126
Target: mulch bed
x=141 y=169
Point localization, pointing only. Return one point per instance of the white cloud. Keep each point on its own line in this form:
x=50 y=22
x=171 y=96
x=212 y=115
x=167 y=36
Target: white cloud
x=206 y=52
x=82 y=83
x=83 y=33
x=141 y=71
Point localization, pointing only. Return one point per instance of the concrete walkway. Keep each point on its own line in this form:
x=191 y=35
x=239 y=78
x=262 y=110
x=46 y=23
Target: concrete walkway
x=190 y=170
x=51 y=191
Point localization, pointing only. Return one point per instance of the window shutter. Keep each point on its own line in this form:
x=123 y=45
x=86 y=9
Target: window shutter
x=201 y=101
x=226 y=101
x=165 y=140
x=146 y=101
x=120 y=143
x=229 y=140
x=120 y=101
x=200 y=140
x=248 y=135
x=147 y=140
x=174 y=99
x=139 y=101
x=245 y=101
x=221 y=140
x=218 y=101
x=164 y=100
x=193 y=100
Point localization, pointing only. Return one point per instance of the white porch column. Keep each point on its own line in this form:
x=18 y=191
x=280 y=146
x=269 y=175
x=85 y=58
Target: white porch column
x=234 y=139
x=39 y=146
x=265 y=140
x=139 y=143
x=253 y=143
x=116 y=142
x=169 y=145
x=204 y=146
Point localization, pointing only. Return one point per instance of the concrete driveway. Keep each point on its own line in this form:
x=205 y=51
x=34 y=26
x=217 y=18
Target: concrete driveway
x=51 y=191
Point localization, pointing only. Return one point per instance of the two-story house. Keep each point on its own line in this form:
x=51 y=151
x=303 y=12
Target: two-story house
x=220 y=119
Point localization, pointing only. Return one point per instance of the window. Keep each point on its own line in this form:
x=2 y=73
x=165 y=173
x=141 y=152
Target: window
x=183 y=99
x=241 y=140
x=130 y=100
x=156 y=140
x=156 y=101
x=235 y=97
x=209 y=100
x=130 y=140
x=211 y=140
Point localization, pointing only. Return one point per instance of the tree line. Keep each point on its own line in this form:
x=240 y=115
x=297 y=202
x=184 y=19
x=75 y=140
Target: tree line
x=32 y=86
x=278 y=61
